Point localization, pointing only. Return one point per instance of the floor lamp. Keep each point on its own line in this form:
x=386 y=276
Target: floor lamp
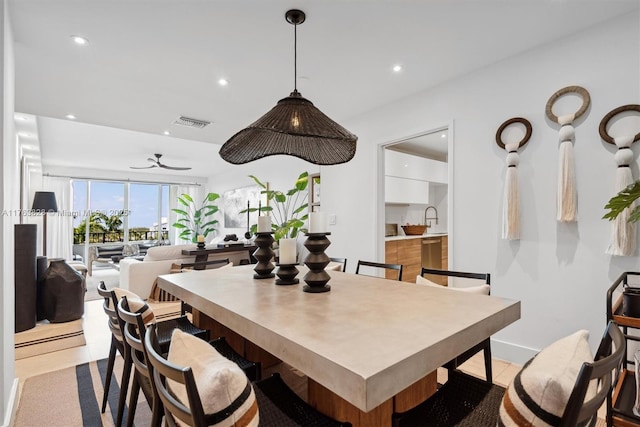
x=44 y=201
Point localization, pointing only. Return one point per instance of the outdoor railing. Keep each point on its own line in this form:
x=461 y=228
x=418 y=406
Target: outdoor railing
x=118 y=236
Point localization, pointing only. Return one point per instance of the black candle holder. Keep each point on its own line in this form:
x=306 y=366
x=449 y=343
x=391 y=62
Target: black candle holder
x=200 y=245
x=287 y=274
x=264 y=254
x=317 y=260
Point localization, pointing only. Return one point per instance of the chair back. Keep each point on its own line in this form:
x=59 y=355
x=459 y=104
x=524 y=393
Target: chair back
x=162 y=370
x=342 y=261
x=397 y=267
x=486 y=277
x=134 y=331
x=205 y=264
x=604 y=370
x=109 y=307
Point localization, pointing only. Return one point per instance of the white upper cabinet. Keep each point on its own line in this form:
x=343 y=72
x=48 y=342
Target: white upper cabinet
x=402 y=165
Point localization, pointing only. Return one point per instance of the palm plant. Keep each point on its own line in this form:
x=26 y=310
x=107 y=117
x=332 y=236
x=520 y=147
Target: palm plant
x=288 y=209
x=196 y=221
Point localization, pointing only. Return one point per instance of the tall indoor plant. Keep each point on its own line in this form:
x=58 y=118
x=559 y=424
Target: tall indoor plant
x=196 y=221
x=288 y=209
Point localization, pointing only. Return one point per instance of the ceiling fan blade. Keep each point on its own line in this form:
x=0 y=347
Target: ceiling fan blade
x=150 y=160
x=143 y=167
x=175 y=168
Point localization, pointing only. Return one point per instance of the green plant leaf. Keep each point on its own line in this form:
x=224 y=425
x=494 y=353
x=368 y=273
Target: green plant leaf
x=212 y=197
x=179 y=225
x=280 y=197
x=257 y=181
x=180 y=212
x=624 y=199
x=187 y=197
x=301 y=208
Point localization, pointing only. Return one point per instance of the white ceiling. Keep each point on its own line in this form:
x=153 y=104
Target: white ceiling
x=149 y=61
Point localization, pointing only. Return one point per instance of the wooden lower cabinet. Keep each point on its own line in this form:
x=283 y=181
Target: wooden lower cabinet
x=408 y=252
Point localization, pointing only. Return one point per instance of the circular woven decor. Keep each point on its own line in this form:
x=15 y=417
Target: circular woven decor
x=586 y=101
x=509 y=122
x=610 y=115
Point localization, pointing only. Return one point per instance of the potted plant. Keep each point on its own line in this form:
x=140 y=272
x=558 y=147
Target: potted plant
x=288 y=209
x=196 y=221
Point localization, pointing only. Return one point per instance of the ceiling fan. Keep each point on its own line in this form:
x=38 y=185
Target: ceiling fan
x=157 y=164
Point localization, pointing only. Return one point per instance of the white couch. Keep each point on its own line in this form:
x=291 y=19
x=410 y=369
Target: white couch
x=138 y=276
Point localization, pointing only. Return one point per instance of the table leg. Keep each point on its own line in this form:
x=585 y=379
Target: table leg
x=336 y=407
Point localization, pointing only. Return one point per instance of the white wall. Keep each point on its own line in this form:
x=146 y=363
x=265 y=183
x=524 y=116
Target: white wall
x=559 y=272
x=10 y=200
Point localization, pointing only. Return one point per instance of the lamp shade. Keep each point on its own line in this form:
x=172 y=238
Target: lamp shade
x=45 y=201
x=293 y=127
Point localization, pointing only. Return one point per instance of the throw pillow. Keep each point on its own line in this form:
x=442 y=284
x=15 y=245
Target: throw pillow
x=223 y=387
x=539 y=393
x=136 y=304
x=480 y=289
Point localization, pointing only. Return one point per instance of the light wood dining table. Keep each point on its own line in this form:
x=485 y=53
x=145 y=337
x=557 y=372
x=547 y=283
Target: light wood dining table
x=369 y=347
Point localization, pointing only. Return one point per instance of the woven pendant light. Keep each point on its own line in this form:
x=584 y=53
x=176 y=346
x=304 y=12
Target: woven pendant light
x=294 y=127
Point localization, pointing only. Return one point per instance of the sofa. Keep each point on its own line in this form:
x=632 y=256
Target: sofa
x=138 y=276
x=104 y=253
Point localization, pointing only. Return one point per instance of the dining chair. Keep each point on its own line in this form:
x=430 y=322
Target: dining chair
x=485 y=289
x=465 y=400
x=165 y=328
x=277 y=405
x=397 y=267
x=342 y=261
x=134 y=330
x=116 y=339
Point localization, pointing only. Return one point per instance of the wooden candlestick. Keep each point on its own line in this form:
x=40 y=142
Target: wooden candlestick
x=264 y=254
x=287 y=274
x=317 y=260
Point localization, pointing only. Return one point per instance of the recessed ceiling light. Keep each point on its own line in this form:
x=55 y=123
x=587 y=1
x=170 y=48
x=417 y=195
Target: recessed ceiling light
x=79 y=40
x=397 y=68
x=70 y=117
x=24 y=134
x=223 y=82
x=166 y=132
x=444 y=135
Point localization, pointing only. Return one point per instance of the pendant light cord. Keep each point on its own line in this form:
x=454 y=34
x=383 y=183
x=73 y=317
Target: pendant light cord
x=295 y=57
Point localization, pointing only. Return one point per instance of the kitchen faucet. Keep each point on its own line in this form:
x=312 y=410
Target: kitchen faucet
x=426 y=218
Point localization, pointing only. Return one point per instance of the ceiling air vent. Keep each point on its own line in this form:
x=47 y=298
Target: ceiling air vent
x=193 y=123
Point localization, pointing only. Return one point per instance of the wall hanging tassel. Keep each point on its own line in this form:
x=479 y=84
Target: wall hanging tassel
x=567 y=194
x=511 y=200
x=623 y=232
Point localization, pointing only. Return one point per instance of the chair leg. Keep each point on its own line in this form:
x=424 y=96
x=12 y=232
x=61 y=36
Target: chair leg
x=133 y=400
x=107 y=380
x=487 y=361
x=124 y=386
x=156 y=411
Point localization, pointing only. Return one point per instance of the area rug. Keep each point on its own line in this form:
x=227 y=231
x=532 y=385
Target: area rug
x=47 y=337
x=110 y=276
x=73 y=396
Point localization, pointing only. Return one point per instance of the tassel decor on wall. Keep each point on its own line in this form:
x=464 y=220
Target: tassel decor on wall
x=511 y=202
x=567 y=194
x=623 y=232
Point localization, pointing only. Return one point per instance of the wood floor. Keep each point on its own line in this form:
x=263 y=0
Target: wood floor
x=98 y=341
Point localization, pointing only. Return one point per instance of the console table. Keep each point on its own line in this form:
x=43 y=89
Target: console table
x=202 y=254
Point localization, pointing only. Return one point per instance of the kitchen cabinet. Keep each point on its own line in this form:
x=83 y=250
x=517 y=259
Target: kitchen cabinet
x=408 y=252
x=403 y=165
x=404 y=190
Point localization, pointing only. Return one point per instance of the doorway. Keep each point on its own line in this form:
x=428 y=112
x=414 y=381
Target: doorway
x=415 y=187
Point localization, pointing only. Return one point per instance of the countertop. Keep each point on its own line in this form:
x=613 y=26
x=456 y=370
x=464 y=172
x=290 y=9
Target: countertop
x=420 y=236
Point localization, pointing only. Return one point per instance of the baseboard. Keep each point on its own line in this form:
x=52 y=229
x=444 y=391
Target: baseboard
x=511 y=352
x=12 y=405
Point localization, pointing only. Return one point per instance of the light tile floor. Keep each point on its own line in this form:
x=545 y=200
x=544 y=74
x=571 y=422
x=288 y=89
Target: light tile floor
x=99 y=339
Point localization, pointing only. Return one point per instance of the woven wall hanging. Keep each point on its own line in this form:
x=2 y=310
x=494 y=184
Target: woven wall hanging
x=623 y=232
x=511 y=200
x=567 y=194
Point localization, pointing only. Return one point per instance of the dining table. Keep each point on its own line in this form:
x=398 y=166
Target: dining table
x=369 y=347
